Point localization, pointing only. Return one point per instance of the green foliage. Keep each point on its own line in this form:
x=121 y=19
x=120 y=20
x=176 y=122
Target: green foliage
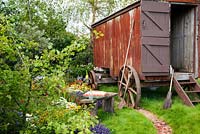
x=82 y=61
x=62 y=62
x=33 y=67
x=56 y=120
x=12 y=100
x=36 y=54
x=39 y=26
x=16 y=76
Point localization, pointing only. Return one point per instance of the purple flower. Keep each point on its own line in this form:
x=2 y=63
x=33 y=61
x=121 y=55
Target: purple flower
x=100 y=129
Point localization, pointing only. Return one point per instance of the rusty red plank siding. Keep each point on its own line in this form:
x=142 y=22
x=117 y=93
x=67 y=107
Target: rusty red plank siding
x=102 y=46
x=127 y=25
x=110 y=50
x=97 y=63
x=99 y=46
x=118 y=46
x=107 y=44
x=110 y=46
x=137 y=35
x=114 y=47
x=122 y=40
x=124 y=35
x=198 y=41
x=132 y=53
x=94 y=48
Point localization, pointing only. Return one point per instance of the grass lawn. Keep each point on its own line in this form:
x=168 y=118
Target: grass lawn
x=126 y=120
x=182 y=119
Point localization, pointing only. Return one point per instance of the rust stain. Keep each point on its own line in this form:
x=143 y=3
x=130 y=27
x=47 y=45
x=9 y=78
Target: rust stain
x=110 y=50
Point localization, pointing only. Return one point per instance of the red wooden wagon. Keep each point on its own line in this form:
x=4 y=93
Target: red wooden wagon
x=160 y=34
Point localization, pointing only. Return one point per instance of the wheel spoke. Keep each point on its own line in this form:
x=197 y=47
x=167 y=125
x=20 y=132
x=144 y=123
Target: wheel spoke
x=127 y=100
x=132 y=99
x=131 y=89
x=124 y=84
x=125 y=78
x=120 y=92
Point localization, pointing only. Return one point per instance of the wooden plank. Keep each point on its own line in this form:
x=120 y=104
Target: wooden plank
x=137 y=44
x=155 y=6
x=118 y=46
x=187 y=1
x=197 y=86
x=156 y=41
x=106 y=80
x=181 y=93
x=107 y=45
x=155 y=69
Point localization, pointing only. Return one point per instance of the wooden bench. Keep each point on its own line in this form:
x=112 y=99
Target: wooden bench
x=107 y=101
x=90 y=102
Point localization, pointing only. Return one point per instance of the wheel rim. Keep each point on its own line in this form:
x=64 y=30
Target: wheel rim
x=129 y=86
x=92 y=79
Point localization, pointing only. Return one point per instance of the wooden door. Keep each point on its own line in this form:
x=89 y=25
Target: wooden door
x=155 y=30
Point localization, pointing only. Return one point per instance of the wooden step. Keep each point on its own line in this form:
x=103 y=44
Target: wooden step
x=186 y=100
x=106 y=80
x=185 y=95
x=187 y=83
x=192 y=91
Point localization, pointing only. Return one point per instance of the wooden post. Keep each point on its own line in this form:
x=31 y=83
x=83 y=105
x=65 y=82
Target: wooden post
x=108 y=104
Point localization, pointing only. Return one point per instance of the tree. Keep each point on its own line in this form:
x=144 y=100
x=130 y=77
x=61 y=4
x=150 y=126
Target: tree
x=80 y=14
x=28 y=76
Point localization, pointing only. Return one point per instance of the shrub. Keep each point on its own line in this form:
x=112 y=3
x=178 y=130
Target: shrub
x=58 y=119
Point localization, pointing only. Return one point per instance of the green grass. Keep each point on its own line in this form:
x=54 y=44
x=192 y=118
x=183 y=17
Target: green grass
x=126 y=120
x=182 y=119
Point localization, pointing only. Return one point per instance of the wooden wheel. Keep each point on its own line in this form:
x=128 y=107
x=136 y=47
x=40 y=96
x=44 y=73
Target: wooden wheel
x=129 y=86
x=92 y=79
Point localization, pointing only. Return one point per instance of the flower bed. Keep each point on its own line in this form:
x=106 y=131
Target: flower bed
x=66 y=116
